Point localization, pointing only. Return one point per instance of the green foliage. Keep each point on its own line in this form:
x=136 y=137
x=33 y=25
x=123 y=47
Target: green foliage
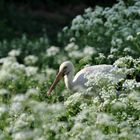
x=24 y=46
x=107 y=29
x=104 y=112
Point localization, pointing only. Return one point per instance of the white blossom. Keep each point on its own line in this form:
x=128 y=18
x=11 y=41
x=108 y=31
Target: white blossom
x=138 y=33
x=4 y=92
x=19 y=98
x=104 y=119
x=73 y=99
x=52 y=51
x=50 y=71
x=89 y=50
x=32 y=92
x=71 y=47
x=75 y=54
x=24 y=135
x=3 y=109
x=130 y=38
x=30 y=59
x=31 y=71
x=16 y=107
x=14 y=53
x=5 y=76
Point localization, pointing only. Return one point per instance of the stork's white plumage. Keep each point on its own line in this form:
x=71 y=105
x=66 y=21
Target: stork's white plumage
x=66 y=69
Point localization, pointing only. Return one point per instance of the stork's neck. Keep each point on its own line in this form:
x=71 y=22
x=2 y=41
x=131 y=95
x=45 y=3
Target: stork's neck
x=69 y=79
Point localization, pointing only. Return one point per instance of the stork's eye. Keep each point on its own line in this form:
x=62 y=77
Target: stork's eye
x=65 y=67
x=65 y=70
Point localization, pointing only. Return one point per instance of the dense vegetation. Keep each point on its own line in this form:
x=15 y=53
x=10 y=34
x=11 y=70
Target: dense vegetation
x=34 y=17
x=106 y=110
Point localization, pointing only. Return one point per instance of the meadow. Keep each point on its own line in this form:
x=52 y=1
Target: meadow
x=107 y=110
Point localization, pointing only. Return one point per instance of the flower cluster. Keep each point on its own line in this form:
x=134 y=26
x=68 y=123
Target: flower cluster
x=109 y=108
x=116 y=27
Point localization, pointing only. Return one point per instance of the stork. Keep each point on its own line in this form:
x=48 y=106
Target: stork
x=66 y=70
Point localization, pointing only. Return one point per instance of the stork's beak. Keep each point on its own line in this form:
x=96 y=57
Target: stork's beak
x=57 y=79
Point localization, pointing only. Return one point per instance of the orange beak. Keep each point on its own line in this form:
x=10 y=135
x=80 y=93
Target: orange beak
x=57 y=79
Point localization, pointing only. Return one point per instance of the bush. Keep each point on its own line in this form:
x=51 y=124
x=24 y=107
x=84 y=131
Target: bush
x=107 y=29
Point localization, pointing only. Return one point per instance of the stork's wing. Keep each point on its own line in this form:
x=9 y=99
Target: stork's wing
x=80 y=79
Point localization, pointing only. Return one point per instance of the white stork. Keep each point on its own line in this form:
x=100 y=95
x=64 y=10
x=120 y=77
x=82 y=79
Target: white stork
x=66 y=70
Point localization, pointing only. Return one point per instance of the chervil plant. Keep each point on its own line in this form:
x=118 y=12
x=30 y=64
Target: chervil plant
x=115 y=28
x=110 y=106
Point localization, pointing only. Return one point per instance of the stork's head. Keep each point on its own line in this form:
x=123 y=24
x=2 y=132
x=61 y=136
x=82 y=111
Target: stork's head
x=64 y=69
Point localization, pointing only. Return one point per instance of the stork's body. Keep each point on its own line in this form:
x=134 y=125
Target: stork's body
x=72 y=82
x=80 y=79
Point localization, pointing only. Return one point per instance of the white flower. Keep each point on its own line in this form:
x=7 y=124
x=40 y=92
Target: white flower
x=19 y=98
x=103 y=77
x=40 y=138
x=5 y=76
x=52 y=51
x=16 y=107
x=32 y=92
x=101 y=56
x=50 y=71
x=129 y=84
x=31 y=71
x=89 y=50
x=78 y=20
x=17 y=68
x=71 y=47
x=7 y=61
x=14 y=53
x=24 y=135
x=138 y=33
x=73 y=99
x=3 y=109
x=65 y=29
x=104 y=119
x=30 y=59
x=38 y=107
x=130 y=38
x=77 y=127
x=21 y=122
x=127 y=49
x=98 y=21
x=136 y=105
x=58 y=107
x=72 y=39
x=40 y=77
x=118 y=106
x=124 y=61
x=119 y=41
x=75 y=54
x=4 y=91
x=135 y=96
x=62 y=59
x=88 y=10
x=113 y=50
x=110 y=56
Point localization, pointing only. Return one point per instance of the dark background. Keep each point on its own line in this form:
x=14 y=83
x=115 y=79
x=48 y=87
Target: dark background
x=36 y=17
